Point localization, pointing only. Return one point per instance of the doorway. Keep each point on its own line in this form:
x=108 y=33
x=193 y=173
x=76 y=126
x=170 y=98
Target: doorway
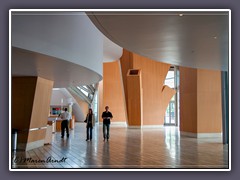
x=172 y=112
x=170 y=117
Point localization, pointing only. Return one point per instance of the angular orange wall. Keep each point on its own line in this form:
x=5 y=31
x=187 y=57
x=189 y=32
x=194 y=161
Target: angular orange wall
x=135 y=103
x=200 y=101
x=30 y=108
x=155 y=96
x=113 y=94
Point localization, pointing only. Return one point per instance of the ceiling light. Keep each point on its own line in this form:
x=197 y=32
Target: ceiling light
x=180 y=15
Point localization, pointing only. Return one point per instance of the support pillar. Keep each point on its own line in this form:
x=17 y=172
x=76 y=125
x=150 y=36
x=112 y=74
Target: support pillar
x=134 y=91
x=30 y=108
x=200 y=102
x=225 y=107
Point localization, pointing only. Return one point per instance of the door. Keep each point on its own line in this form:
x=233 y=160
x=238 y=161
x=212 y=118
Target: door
x=170 y=117
x=172 y=112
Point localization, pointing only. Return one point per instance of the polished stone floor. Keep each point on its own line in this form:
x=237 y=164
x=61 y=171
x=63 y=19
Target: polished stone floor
x=149 y=148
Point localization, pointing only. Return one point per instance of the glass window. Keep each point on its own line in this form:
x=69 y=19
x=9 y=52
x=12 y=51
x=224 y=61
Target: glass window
x=84 y=92
x=169 y=81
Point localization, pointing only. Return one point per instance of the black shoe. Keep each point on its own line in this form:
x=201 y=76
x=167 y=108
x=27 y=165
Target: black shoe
x=62 y=136
x=68 y=135
x=107 y=139
x=86 y=139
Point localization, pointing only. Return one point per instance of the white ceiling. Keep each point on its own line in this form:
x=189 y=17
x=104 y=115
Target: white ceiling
x=192 y=39
x=69 y=48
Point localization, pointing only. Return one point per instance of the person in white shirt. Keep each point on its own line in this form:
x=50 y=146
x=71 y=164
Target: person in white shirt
x=65 y=116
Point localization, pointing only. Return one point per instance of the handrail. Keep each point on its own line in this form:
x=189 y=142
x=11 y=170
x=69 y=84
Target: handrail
x=28 y=130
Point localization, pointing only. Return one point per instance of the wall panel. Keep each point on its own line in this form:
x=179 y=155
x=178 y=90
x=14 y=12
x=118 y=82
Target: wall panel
x=134 y=91
x=209 y=101
x=126 y=62
x=42 y=99
x=188 y=99
x=200 y=101
x=113 y=94
x=155 y=97
x=31 y=98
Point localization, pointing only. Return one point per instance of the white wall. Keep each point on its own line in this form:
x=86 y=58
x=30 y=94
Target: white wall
x=61 y=46
x=63 y=94
x=58 y=97
x=66 y=35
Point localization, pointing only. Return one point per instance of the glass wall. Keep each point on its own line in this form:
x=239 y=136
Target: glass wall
x=95 y=106
x=172 y=111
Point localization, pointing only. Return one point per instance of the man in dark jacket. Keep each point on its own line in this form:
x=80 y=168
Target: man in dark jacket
x=106 y=116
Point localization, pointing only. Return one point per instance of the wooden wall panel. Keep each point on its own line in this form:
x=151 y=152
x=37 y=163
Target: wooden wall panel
x=30 y=107
x=209 y=101
x=42 y=98
x=209 y=113
x=188 y=99
x=153 y=76
x=200 y=101
x=23 y=90
x=188 y=112
x=151 y=70
x=40 y=110
x=135 y=106
x=113 y=94
x=37 y=135
x=126 y=62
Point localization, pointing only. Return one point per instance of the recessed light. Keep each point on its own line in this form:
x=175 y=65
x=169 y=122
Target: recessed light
x=215 y=37
x=180 y=15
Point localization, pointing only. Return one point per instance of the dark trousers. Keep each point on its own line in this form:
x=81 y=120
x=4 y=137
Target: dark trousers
x=106 y=130
x=89 y=132
x=64 y=125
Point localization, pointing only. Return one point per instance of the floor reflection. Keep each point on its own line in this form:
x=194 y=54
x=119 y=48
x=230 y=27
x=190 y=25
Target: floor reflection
x=160 y=147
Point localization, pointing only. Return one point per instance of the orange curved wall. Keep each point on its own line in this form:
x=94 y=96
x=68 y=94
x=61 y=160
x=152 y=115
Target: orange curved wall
x=155 y=96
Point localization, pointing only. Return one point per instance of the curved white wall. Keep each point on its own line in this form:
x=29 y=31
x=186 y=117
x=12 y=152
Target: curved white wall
x=111 y=51
x=67 y=36
x=61 y=46
x=63 y=94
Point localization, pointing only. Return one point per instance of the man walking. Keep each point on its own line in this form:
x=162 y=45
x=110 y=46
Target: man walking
x=65 y=116
x=106 y=116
